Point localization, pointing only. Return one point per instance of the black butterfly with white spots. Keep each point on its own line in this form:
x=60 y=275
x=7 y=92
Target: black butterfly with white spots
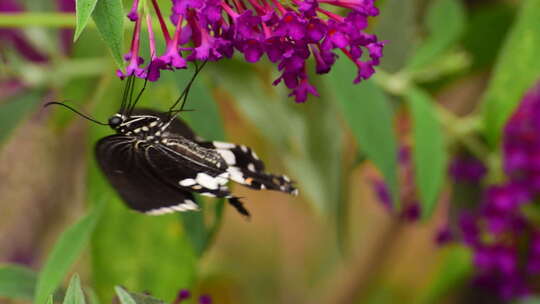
x=156 y=163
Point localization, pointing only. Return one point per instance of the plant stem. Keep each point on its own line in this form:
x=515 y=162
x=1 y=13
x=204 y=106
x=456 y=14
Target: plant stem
x=350 y=283
x=48 y=20
x=52 y=20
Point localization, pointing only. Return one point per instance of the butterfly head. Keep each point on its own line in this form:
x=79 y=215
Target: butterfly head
x=116 y=121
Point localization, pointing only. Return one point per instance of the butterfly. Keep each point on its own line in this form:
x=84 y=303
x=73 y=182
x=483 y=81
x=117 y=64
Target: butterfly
x=156 y=163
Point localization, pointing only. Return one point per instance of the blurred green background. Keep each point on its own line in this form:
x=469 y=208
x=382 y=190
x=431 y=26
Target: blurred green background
x=450 y=68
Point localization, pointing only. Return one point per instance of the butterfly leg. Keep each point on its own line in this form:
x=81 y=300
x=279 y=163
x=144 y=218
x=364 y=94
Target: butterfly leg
x=222 y=192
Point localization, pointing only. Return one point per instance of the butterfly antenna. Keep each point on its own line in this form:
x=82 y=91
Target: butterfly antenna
x=185 y=92
x=133 y=103
x=75 y=111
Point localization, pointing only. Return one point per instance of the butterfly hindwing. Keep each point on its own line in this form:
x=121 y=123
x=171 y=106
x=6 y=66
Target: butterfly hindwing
x=246 y=168
x=136 y=181
x=178 y=170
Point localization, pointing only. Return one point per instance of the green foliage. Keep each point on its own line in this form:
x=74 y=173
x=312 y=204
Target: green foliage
x=65 y=252
x=13 y=112
x=369 y=115
x=516 y=70
x=455 y=267
x=124 y=296
x=445 y=23
x=128 y=297
x=109 y=18
x=84 y=9
x=17 y=282
x=487 y=29
x=74 y=293
x=429 y=153
x=396 y=24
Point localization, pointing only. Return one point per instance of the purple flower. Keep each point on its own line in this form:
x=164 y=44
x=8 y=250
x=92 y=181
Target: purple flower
x=289 y=33
x=505 y=239
x=467 y=169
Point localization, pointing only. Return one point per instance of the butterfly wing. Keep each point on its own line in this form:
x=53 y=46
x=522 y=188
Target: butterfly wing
x=177 y=125
x=177 y=170
x=124 y=163
x=246 y=168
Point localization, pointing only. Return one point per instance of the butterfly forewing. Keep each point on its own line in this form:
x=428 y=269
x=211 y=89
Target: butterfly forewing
x=138 y=184
x=177 y=126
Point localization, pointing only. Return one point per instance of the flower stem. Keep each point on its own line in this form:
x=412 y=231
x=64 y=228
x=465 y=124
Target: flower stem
x=48 y=20
x=24 y=20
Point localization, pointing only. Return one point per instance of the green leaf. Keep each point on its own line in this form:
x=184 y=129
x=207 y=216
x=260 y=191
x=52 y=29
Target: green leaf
x=50 y=299
x=129 y=297
x=368 y=113
x=205 y=119
x=255 y=102
x=109 y=18
x=488 y=26
x=144 y=298
x=429 y=154
x=17 y=282
x=517 y=70
x=452 y=272
x=84 y=9
x=64 y=253
x=397 y=24
x=74 y=293
x=124 y=296
x=445 y=22
x=14 y=110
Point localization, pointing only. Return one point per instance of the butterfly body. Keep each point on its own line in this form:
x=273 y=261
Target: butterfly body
x=156 y=163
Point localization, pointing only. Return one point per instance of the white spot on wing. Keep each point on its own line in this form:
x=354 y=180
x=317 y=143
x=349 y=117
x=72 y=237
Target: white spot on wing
x=244 y=148
x=187 y=205
x=228 y=156
x=190 y=205
x=207 y=181
x=236 y=175
x=223 y=145
x=251 y=167
x=187 y=182
x=223 y=178
x=160 y=211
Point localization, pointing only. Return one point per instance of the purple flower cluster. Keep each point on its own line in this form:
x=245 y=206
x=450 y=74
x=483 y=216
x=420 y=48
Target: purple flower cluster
x=288 y=33
x=503 y=235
